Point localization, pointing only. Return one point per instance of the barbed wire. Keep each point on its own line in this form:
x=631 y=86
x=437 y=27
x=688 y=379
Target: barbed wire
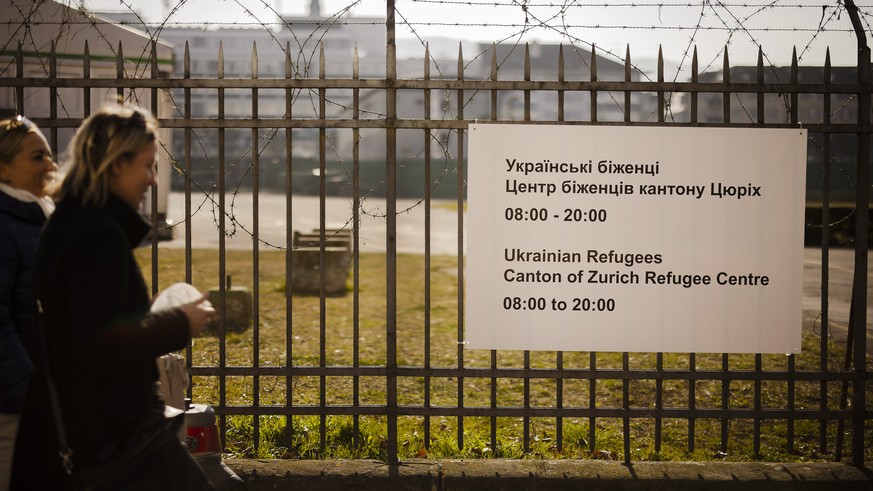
x=636 y=4
x=460 y=24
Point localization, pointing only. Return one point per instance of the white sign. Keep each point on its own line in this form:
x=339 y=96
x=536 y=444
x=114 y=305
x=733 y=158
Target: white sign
x=642 y=239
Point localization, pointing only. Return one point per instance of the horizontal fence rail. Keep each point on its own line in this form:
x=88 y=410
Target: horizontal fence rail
x=386 y=368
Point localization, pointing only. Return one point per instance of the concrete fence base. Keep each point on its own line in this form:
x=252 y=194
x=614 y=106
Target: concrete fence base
x=509 y=475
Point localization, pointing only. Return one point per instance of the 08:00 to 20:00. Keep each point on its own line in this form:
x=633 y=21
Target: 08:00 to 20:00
x=576 y=304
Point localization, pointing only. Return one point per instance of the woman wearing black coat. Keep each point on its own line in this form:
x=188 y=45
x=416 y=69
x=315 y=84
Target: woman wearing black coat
x=101 y=339
x=26 y=173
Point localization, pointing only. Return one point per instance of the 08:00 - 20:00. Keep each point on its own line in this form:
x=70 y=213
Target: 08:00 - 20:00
x=543 y=214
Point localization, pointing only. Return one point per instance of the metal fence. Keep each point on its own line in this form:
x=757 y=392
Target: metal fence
x=573 y=384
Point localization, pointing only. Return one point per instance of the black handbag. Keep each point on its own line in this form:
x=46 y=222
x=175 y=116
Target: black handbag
x=152 y=437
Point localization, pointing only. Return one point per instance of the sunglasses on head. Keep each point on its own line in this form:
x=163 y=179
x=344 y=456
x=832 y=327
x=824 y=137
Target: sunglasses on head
x=19 y=121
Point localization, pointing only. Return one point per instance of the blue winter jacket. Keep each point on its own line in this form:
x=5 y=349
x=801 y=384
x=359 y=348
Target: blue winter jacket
x=20 y=225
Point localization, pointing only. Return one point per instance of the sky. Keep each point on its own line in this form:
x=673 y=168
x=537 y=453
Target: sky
x=642 y=25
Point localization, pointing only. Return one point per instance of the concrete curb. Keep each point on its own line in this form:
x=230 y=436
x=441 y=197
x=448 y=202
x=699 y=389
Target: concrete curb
x=509 y=475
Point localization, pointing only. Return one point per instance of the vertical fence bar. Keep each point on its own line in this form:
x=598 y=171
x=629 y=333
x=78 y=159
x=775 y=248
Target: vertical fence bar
x=659 y=358
x=862 y=221
x=53 y=96
x=289 y=251
x=559 y=356
x=592 y=356
x=322 y=263
x=759 y=73
x=825 y=256
x=659 y=399
x=189 y=276
x=627 y=78
x=725 y=362
x=119 y=74
x=494 y=93
x=661 y=109
x=356 y=251
x=186 y=68
x=559 y=401
x=625 y=357
x=526 y=381
x=756 y=423
x=19 y=91
x=86 y=75
x=692 y=358
x=625 y=406
x=494 y=379
x=756 y=401
x=427 y=247
x=592 y=401
x=860 y=288
x=256 y=256
x=222 y=252
x=154 y=189
x=695 y=79
x=725 y=401
x=789 y=434
x=460 y=191
x=526 y=79
x=593 y=79
x=794 y=79
x=561 y=80
x=391 y=229
x=692 y=403
x=526 y=391
x=844 y=387
x=726 y=94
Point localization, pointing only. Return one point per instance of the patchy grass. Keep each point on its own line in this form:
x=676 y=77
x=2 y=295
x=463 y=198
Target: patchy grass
x=326 y=332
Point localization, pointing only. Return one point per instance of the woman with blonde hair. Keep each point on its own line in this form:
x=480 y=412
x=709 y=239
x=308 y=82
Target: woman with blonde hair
x=26 y=173
x=99 y=338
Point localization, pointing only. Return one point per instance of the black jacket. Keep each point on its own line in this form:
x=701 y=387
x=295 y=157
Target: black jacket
x=101 y=339
x=20 y=224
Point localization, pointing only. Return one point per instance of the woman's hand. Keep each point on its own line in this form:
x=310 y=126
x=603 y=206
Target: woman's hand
x=199 y=314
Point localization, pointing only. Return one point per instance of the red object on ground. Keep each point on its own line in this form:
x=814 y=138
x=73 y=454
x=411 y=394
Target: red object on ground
x=202 y=434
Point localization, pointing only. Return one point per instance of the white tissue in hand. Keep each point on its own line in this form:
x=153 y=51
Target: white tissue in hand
x=176 y=295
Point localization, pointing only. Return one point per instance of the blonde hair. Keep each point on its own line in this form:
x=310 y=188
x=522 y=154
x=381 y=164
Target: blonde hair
x=12 y=133
x=110 y=135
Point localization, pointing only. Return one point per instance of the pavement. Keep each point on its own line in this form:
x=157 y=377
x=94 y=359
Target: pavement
x=305 y=216
x=550 y=475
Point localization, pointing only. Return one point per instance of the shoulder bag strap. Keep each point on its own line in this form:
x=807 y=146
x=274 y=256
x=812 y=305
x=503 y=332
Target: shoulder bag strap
x=64 y=450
